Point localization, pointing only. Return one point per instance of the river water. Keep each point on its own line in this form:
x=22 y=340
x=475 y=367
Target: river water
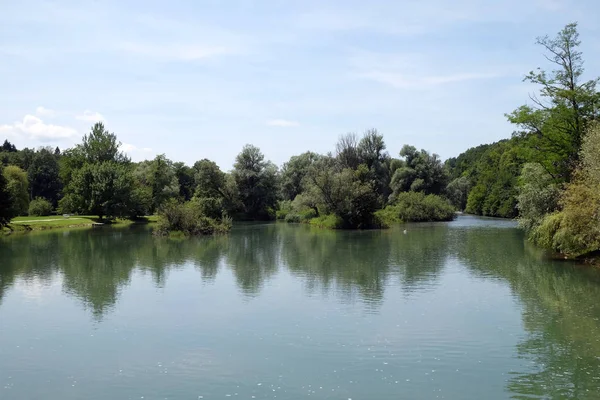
x=459 y=310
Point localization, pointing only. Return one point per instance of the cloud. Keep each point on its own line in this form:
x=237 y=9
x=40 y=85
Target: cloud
x=284 y=123
x=45 y=112
x=34 y=128
x=90 y=116
x=179 y=52
x=129 y=148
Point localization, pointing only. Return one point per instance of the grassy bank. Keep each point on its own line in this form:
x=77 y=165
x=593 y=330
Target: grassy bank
x=26 y=224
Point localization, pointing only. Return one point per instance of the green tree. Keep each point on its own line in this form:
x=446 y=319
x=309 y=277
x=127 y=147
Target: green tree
x=17 y=186
x=555 y=123
x=44 y=177
x=293 y=173
x=6 y=209
x=104 y=189
x=457 y=192
x=256 y=181
x=185 y=177
x=420 y=172
x=538 y=195
x=209 y=179
x=100 y=145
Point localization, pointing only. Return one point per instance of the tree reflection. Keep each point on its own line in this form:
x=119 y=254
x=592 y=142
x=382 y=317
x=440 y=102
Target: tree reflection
x=561 y=313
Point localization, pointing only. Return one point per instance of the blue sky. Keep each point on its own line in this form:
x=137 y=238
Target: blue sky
x=199 y=79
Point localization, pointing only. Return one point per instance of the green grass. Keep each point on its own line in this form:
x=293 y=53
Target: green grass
x=25 y=224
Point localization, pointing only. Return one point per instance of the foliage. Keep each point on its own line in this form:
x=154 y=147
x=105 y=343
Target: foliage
x=189 y=219
x=6 y=210
x=17 y=186
x=185 y=179
x=538 y=195
x=103 y=189
x=554 y=125
x=329 y=221
x=575 y=230
x=157 y=181
x=418 y=207
x=293 y=173
x=419 y=172
x=44 y=177
x=39 y=207
x=256 y=181
x=495 y=177
x=457 y=192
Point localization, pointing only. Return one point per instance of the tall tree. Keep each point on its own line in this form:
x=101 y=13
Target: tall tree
x=420 y=172
x=43 y=173
x=17 y=186
x=293 y=173
x=256 y=180
x=185 y=177
x=6 y=210
x=555 y=123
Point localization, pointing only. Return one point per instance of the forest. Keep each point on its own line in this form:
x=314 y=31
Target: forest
x=546 y=174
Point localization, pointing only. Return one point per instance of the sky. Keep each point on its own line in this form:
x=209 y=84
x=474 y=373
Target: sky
x=198 y=79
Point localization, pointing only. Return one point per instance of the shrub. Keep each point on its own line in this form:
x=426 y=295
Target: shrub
x=188 y=219
x=39 y=207
x=285 y=207
x=330 y=221
x=417 y=207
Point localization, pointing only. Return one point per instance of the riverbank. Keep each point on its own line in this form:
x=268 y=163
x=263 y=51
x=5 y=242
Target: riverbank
x=28 y=224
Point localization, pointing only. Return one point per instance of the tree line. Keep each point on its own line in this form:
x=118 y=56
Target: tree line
x=347 y=186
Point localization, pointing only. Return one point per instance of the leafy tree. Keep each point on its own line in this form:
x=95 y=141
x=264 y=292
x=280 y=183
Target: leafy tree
x=347 y=152
x=554 y=125
x=371 y=152
x=293 y=173
x=99 y=177
x=256 y=181
x=6 y=209
x=104 y=189
x=209 y=179
x=44 y=176
x=8 y=147
x=420 y=172
x=457 y=192
x=17 y=187
x=39 y=207
x=158 y=179
x=538 y=195
x=100 y=145
x=185 y=177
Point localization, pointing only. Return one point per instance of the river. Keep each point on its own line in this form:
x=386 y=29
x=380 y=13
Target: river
x=459 y=310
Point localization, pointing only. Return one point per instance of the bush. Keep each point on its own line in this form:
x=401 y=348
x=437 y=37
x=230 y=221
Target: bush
x=330 y=221
x=285 y=207
x=40 y=207
x=188 y=219
x=417 y=207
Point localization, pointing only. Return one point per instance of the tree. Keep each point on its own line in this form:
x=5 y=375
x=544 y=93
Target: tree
x=6 y=209
x=420 y=172
x=538 y=195
x=347 y=151
x=554 y=125
x=44 y=176
x=341 y=191
x=293 y=173
x=98 y=177
x=457 y=192
x=17 y=187
x=209 y=179
x=101 y=145
x=185 y=177
x=8 y=147
x=104 y=189
x=371 y=152
x=256 y=181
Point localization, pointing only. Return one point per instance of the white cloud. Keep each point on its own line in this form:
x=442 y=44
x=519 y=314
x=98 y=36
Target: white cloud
x=45 y=112
x=180 y=52
x=284 y=123
x=90 y=116
x=34 y=128
x=129 y=148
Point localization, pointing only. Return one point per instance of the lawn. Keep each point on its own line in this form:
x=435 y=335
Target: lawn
x=58 y=221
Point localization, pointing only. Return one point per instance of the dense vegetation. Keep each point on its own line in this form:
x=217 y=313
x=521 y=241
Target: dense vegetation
x=341 y=190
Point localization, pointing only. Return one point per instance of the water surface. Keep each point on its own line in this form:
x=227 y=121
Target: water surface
x=460 y=310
